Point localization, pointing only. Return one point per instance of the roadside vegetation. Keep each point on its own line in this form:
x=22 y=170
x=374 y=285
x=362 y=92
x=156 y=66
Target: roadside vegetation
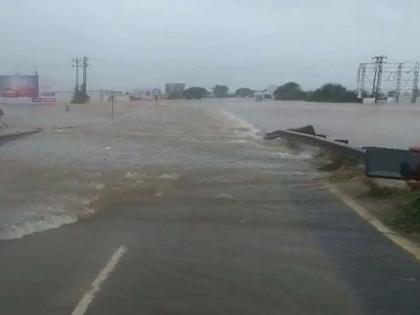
x=220 y=91
x=195 y=93
x=244 y=92
x=398 y=206
x=332 y=92
x=290 y=91
x=407 y=218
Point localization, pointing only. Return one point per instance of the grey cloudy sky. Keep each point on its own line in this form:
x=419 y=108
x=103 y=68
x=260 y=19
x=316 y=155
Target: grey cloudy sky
x=145 y=43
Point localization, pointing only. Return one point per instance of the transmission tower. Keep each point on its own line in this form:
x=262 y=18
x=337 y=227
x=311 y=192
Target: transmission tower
x=377 y=81
x=385 y=79
x=80 y=95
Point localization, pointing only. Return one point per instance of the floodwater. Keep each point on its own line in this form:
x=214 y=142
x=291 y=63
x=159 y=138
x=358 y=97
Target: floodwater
x=84 y=161
x=387 y=125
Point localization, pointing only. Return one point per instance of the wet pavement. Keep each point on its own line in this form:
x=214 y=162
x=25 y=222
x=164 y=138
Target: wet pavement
x=212 y=219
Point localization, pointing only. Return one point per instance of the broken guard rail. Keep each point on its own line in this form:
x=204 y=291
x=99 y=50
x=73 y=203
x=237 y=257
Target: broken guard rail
x=336 y=147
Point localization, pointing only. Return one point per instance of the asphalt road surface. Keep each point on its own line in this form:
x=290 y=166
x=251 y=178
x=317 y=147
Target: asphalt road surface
x=292 y=254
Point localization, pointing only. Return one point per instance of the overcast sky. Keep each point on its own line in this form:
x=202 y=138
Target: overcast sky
x=250 y=43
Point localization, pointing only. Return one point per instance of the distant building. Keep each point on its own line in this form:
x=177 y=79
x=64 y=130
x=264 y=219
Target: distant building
x=145 y=94
x=269 y=91
x=174 y=90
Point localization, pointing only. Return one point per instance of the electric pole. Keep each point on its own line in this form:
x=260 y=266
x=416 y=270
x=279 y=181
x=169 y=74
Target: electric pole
x=415 y=83
x=85 y=65
x=398 y=89
x=80 y=95
x=112 y=103
x=77 y=65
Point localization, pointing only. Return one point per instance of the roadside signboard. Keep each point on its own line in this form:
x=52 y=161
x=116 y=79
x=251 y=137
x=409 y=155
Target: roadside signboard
x=14 y=86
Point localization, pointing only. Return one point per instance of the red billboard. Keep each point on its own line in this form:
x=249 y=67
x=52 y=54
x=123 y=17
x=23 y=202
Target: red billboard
x=12 y=86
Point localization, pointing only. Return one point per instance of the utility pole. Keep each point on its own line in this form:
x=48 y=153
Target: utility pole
x=112 y=103
x=376 y=89
x=80 y=95
x=85 y=65
x=415 y=83
x=398 y=88
x=77 y=65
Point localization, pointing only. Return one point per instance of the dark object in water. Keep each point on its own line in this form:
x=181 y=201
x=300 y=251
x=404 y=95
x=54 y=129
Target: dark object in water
x=342 y=141
x=392 y=163
x=309 y=130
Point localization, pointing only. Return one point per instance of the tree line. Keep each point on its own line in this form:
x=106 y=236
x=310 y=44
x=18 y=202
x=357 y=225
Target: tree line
x=330 y=92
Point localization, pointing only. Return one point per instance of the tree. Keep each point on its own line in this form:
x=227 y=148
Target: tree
x=244 y=92
x=220 y=91
x=195 y=93
x=289 y=91
x=332 y=92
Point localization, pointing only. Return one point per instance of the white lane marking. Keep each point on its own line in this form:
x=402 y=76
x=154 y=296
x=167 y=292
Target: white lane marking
x=83 y=304
x=406 y=244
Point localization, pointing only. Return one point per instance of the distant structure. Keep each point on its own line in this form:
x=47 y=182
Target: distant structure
x=174 y=90
x=80 y=95
x=269 y=91
x=18 y=85
x=146 y=93
x=382 y=81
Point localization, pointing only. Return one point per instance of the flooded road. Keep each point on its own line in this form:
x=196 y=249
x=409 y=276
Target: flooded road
x=83 y=156
x=84 y=159
x=184 y=209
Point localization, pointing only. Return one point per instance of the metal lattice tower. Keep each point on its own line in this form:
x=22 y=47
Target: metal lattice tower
x=379 y=80
x=376 y=88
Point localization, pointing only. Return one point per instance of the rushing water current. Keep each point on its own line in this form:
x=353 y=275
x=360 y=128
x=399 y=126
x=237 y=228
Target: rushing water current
x=84 y=160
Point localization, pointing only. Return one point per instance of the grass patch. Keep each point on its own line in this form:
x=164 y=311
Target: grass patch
x=407 y=217
x=377 y=191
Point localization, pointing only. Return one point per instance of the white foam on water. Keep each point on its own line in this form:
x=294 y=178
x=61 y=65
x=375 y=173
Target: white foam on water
x=224 y=196
x=239 y=141
x=242 y=126
x=97 y=185
x=290 y=156
x=131 y=175
x=169 y=176
x=48 y=222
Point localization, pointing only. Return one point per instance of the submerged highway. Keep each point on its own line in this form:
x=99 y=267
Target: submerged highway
x=183 y=209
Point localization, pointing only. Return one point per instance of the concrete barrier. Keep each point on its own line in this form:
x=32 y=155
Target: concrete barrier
x=338 y=148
